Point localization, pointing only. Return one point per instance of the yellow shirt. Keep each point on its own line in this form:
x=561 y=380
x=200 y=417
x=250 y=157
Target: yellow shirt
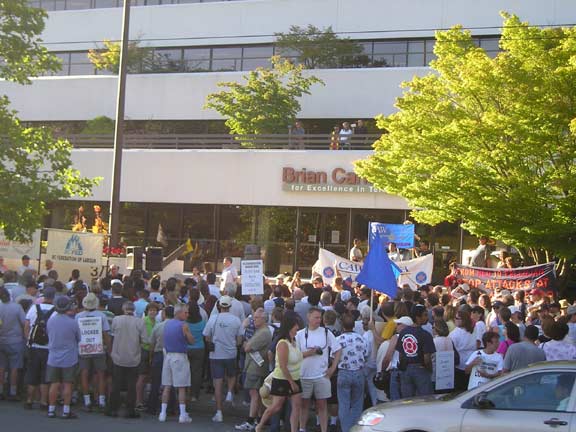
x=388 y=330
x=294 y=362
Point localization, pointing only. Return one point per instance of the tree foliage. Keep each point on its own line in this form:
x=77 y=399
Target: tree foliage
x=108 y=57
x=490 y=141
x=317 y=48
x=267 y=102
x=35 y=168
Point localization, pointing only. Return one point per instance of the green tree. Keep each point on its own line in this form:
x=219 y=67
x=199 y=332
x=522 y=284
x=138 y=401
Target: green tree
x=490 y=141
x=108 y=57
x=99 y=125
x=35 y=168
x=267 y=102
x=317 y=48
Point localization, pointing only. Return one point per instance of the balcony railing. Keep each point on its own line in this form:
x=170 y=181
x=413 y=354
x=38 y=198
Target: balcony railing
x=225 y=141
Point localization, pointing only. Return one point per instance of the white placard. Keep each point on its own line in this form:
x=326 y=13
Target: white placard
x=335 y=237
x=11 y=249
x=444 y=370
x=79 y=249
x=252 y=277
x=312 y=238
x=90 y=336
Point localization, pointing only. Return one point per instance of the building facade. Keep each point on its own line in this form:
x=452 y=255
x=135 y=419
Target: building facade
x=289 y=201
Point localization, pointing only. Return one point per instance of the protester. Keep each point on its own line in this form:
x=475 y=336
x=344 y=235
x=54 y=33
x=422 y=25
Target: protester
x=12 y=320
x=484 y=365
x=62 y=364
x=464 y=342
x=525 y=352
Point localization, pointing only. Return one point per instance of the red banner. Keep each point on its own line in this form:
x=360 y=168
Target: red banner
x=539 y=276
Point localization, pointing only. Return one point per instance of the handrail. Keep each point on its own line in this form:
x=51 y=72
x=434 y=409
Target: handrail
x=225 y=141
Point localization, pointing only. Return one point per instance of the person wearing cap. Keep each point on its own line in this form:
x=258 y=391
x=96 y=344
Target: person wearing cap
x=11 y=341
x=415 y=347
x=387 y=359
x=62 y=365
x=38 y=354
x=224 y=332
x=94 y=362
x=128 y=332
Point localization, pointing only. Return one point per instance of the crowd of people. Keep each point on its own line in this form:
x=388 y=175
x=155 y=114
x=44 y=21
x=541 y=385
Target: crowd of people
x=298 y=356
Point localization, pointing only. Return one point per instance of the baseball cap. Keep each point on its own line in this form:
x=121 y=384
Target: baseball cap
x=514 y=309
x=63 y=304
x=571 y=310
x=225 y=301
x=116 y=281
x=345 y=296
x=405 y=320
x=49 y=292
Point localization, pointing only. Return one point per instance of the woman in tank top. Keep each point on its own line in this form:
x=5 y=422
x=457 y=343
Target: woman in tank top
x=286 y=375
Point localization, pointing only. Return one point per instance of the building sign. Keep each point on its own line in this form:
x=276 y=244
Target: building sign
x=337 y=180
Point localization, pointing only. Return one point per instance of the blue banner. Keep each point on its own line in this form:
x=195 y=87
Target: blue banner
x=378 y=272
x=402 y=235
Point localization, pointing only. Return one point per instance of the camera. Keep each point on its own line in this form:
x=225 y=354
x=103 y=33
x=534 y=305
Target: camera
x=319 y=351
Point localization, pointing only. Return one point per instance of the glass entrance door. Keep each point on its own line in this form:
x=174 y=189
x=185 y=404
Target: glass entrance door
x=320 y=228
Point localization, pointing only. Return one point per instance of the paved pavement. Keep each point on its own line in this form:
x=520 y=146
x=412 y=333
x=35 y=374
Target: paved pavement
x=13 y=417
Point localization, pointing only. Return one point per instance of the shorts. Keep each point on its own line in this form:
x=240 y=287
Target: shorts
x=281 y=387
x=12 y=355
x=253 y=381
x=176 y=370
x=36 y=370
x=223 y=367
x=61 y=374
x=144 y=367
x=93 y=363
x=320 y=388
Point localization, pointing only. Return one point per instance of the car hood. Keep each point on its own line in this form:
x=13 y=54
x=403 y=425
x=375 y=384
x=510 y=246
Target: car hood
x=412 y=402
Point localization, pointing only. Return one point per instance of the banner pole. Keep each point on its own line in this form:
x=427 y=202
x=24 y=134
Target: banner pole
x=40 y=252
x=371 y=304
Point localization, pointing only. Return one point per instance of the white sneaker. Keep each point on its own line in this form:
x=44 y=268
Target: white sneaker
x=185 y=419
x=218 y=418
x=229 y=397
x=162 y=418
x=246 y=426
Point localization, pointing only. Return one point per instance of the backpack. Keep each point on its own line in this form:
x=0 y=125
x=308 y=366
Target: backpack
x=39 y=333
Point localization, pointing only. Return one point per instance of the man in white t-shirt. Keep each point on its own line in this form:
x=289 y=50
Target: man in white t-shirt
x=355 y=253
x=484 y=365
x=317 y=344
x=229 y=273
x=38 y=355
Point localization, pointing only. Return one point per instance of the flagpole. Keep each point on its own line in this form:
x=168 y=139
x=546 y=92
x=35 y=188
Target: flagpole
x=371 y=303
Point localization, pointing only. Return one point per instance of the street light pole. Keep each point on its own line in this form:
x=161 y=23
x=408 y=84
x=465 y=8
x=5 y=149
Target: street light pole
x=114 y=221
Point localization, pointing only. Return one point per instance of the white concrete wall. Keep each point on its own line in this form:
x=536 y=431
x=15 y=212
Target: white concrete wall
x=348 y=93
x=249 y=177
x=210 y=22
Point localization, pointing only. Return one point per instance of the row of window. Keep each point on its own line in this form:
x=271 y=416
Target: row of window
x=57 y=5
x=379 y=53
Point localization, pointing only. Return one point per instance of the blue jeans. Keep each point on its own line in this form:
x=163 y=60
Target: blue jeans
x=370 y=387
x=350 y=398
x=395 y=375
x=416 y=381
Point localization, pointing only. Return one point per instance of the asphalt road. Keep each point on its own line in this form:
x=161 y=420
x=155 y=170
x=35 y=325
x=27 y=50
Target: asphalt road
x=13 y=417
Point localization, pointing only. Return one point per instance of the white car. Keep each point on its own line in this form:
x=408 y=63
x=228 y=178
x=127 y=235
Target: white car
x=539 y=398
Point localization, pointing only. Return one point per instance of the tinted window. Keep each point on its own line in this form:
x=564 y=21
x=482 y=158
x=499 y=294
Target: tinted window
x=536 y=392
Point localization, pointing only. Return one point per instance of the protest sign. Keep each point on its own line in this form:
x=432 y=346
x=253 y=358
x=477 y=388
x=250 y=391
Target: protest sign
x=444 y=373
x=74 y=247
x=400 y=234
x=252 y=277
x=539 y=276
x=91 y=342
x=11 y=249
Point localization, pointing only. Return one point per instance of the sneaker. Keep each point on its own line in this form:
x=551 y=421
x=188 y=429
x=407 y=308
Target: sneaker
x=229 y=397
x=193 y=399
x=51 y=414
x=218 y=418
x=162 y=418
x=185 y=419
x=246 y=426
x=69 y=416
x=140 y=407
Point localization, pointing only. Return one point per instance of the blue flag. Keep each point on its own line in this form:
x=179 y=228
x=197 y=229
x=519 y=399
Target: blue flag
x=402 y=235
x=379 y=272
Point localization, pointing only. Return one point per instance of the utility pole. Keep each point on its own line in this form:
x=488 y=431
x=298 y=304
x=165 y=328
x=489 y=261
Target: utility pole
x=114 y=221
